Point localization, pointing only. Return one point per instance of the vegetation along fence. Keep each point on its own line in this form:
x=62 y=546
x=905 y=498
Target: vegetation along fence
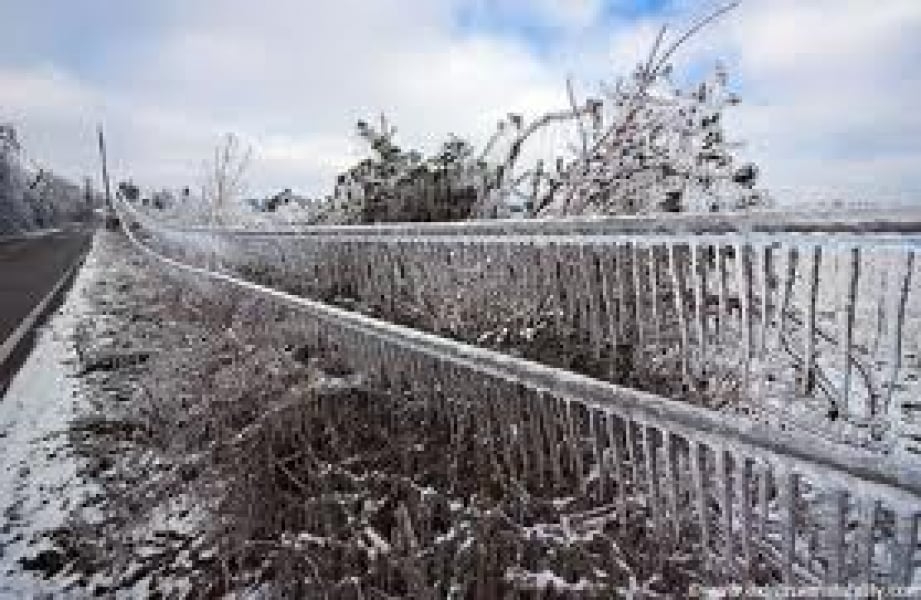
x=747 y=384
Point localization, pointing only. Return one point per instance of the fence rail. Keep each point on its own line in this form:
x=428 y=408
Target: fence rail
x=754 y=501
x=905 y=221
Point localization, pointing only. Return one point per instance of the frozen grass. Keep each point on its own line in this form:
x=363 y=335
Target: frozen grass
x=228 y=453
x=233 y=456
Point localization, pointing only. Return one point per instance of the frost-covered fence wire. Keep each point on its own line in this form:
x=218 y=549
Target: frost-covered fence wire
x=812 y=320
x=750 y=501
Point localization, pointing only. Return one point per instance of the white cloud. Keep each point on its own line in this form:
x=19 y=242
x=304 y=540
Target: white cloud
x=832 y=87
x=829 y=86
x=295 y=79
x=824 y=38
x=52 y=112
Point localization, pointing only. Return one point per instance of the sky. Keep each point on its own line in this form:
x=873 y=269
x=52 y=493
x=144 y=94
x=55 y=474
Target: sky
x=829 y=87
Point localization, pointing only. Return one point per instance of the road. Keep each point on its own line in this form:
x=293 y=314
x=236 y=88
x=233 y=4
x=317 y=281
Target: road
x=30 y=267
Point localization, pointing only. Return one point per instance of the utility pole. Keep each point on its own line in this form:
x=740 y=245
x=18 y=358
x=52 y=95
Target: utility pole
x=88 y=197
x=111 y=220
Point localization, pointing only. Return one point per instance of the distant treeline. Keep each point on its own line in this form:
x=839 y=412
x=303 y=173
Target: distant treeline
x=32 y=197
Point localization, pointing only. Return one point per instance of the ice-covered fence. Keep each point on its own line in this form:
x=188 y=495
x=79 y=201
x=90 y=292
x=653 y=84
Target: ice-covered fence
x=740 y=499
x=811 y=320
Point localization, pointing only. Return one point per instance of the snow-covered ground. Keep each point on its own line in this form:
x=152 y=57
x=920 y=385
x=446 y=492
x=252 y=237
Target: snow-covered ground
x=67 y=450
x=39 y=481
x=167 y=435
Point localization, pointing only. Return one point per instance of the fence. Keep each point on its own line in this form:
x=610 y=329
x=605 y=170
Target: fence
x=813 y=321
x=756 y=498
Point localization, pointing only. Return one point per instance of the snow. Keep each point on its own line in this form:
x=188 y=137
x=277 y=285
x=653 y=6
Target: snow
x=579 y=519
x=542 y=580
x=378 y=543
x=39 y=482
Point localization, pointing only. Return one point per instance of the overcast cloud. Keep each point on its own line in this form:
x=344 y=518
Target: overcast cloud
x=829 y=86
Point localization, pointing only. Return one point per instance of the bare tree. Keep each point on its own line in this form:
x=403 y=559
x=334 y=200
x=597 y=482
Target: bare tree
x=224 y=174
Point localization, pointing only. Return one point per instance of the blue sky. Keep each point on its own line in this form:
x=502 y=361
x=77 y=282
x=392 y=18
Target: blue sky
x=540 y=29
x=828 y=86
x=510 y=17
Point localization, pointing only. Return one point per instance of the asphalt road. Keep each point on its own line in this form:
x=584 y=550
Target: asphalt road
x=30 y=266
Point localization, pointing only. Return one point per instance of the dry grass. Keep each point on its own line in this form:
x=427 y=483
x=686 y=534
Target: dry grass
x=240 y=457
